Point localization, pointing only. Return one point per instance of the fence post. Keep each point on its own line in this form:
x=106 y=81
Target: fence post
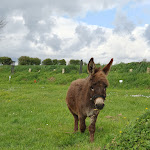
x=13 y=67
x=9 y=78
x=29 y=69
x=63 y=71
x=148 y=70
x=81 y=64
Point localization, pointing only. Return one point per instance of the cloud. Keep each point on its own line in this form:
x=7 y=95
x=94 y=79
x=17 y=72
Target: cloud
x=122 y=24
x=67 y=7
x=49 y=29
x=87 y=35
x=122 y=48
x=147 y=34
x=54 y=42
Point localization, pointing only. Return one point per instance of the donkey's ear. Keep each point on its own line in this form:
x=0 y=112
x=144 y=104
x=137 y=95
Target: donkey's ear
x=91 y=66
x=107 y=67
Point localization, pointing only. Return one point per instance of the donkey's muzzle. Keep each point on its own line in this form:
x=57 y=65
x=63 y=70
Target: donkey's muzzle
x=99 y=103
x=99 y=106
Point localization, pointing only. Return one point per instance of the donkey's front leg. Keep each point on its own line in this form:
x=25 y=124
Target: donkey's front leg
x=82 y=124
x=92 y=127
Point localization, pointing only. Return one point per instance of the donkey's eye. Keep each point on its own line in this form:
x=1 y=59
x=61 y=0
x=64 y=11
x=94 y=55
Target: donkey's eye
x=92 y=89
x=105 y=88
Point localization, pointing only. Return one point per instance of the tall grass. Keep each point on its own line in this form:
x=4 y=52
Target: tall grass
x=138 y=67
x=134 y=136
x=52 y=75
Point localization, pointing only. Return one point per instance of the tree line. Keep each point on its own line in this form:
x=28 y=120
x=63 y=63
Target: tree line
x=26 y=60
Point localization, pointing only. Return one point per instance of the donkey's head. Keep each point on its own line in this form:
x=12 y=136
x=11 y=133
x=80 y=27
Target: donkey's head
x=98 y=83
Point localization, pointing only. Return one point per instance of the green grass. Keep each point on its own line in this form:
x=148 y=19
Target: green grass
x=138 y=79
x=35 y=116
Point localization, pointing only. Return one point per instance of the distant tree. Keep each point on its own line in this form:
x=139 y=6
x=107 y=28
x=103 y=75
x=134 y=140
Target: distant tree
x=62 y=62
x=5 y=60
x=24 y=60
x=74 y=62
x=98 y=64
x=55 y=62
x=35 y=61
x=47 y=61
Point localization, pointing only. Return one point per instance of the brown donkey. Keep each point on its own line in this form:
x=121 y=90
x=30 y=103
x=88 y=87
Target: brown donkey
x=85 y=97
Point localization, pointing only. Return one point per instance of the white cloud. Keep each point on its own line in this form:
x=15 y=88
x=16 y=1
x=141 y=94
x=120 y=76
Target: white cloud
x=122 y=48
x=64 y=26
x=147 y=34
x=49 y=30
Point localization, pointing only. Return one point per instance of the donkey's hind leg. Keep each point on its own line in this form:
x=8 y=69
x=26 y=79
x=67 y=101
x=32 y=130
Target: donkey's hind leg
x=75 y=121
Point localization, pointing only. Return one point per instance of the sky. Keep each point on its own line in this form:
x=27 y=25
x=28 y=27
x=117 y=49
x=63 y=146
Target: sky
x=80 y=29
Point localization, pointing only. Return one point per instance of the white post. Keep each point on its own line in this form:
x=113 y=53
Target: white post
x=63 y=71
x=148 y=70
x=29 y=69
x=9 y=78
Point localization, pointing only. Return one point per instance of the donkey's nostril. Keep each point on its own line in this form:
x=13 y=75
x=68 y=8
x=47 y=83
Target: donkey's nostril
x=99 y=106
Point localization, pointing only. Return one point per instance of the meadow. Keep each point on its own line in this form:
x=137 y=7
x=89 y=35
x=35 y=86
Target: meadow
x=34 y=115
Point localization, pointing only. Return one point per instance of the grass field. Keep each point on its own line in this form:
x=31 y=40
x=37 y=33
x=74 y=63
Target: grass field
x=35 y=116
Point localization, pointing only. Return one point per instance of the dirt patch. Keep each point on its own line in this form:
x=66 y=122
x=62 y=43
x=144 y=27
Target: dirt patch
x=51 y=79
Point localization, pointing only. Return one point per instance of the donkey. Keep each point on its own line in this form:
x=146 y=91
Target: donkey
x=85 y=97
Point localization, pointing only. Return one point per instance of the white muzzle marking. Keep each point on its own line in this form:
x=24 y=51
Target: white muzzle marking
x=99 y=101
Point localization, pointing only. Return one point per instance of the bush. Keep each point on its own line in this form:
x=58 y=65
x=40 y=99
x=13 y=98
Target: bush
x=62 y=62
x=55 y=62
x=74 y=62
x=35 y=61
x=135 y=136
x=47 y=61
x=25 y=60
x=5 y=60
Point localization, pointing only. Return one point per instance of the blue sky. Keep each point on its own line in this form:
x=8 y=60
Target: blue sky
x=103 y=18
x=139 y=14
